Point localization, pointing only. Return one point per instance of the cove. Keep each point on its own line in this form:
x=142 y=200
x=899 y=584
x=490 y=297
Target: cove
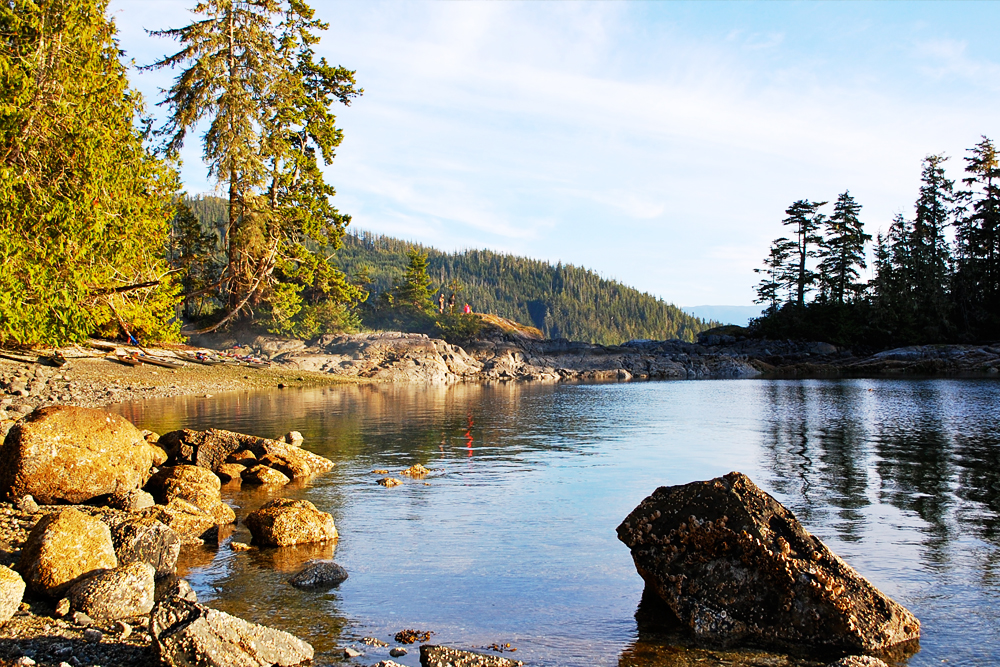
x=511 y=539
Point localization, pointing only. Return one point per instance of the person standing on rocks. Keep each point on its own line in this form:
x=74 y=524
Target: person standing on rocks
x=451 y=303
x=441 y=302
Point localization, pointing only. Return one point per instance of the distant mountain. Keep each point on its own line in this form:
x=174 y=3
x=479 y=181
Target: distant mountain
x=739 y=315
x=562 y=300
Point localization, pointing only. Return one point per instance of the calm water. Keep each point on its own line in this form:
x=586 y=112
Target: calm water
x=512 y=538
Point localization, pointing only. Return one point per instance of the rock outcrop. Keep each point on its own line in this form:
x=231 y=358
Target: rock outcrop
x=72 y=455
x=736 y=567
x=123 y=592
x=283 y=522
x=63 y=548
x=11 y=593
x=187 y=633
x=445 y=656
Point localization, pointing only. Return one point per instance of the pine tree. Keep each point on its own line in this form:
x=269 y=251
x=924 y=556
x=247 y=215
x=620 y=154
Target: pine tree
x=250 y=69
x=86 y=208
x=414 y=291
x=804 y=218
x=977 y=279
x=777 y=279
x=930 y=253
x=842 y=253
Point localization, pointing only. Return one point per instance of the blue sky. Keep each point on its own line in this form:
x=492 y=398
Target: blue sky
x=657 y=143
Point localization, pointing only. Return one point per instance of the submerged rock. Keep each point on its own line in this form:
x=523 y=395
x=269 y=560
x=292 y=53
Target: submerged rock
x=735 y=566
x=187 y=633
x=62 y=548
x=444 y=656
x=283 y=522
x=123 y=592
x=319 y=573
x=72 y=455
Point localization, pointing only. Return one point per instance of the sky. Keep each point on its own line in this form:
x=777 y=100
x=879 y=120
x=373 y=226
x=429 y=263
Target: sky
x=657 y=143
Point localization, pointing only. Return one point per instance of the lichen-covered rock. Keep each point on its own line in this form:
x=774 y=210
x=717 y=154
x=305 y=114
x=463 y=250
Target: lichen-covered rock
x=319 y=573
x=261 y=474
x=131 y=500
x=11 y=593
x=211 y=448
x=196 y=485
x=146 y=540
x=187 y=633
x=123 y=592
x=735 y=566
x=292 y=467
x=70 y=454
x=282 y=522
x=445 y=656
x=184 y=518
x=229 y=472
x=62 y=548
x=859 y=661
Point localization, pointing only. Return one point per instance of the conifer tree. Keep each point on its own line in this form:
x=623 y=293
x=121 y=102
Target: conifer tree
x=806 y=221
x=86 y=208
x=778 y=277
x=977 y=279
x=842 y=253
x=930 y=253
x=414 y=291
x=249 y=68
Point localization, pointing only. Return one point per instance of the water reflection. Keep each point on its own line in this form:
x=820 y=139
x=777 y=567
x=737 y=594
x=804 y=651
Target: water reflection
x=511 y=538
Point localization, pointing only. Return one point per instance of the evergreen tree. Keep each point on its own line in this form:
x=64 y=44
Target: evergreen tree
x=192 y=250
x=977 y=279
x=931 y=256
x=250 y=69
x=86 y=208
x=414 y=291
x=778 y=279
x=804 y=218
x=842 y=253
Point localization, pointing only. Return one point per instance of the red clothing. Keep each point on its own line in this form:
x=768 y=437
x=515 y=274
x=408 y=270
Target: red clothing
x=468 y=309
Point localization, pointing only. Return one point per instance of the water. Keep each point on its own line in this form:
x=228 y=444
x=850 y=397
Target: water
x=512 y=538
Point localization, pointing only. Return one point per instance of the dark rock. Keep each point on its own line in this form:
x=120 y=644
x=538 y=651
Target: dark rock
x=62 y=548
x=187 y=633
x=443 y=656
x=146 y=540
x=123 y=592
x=283 y=522
x=735 y=566
x=319 y=573
x=71 y=454
x=398 y=652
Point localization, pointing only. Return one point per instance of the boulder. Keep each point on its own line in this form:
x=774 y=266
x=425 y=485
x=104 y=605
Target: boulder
x=444 y=656
x=293 y=467
x=229 y=472
x=11 y=593
x=70 y=454
x=282 y=522
x=859 y=661
x=319 y=573
x=198 y=486
x=131 y=500
x=735 y=566
x=174 y=587
x=187 y=633
x=123 y=592
x=63 y=548
x=184 y=518
x=146 y=540
x=293 y=438
x=261 y=474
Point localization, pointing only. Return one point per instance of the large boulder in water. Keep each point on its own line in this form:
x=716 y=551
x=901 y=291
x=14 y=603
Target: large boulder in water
x=211 y=448
x=70 y=454
x=735 y=566
x=187 y=633
x=283 y=522
x=63 y=548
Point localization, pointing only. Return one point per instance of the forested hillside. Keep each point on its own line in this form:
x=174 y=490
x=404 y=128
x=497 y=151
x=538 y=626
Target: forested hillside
x=564 y=301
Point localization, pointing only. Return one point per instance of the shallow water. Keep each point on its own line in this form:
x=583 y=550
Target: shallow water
x=512 y=539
